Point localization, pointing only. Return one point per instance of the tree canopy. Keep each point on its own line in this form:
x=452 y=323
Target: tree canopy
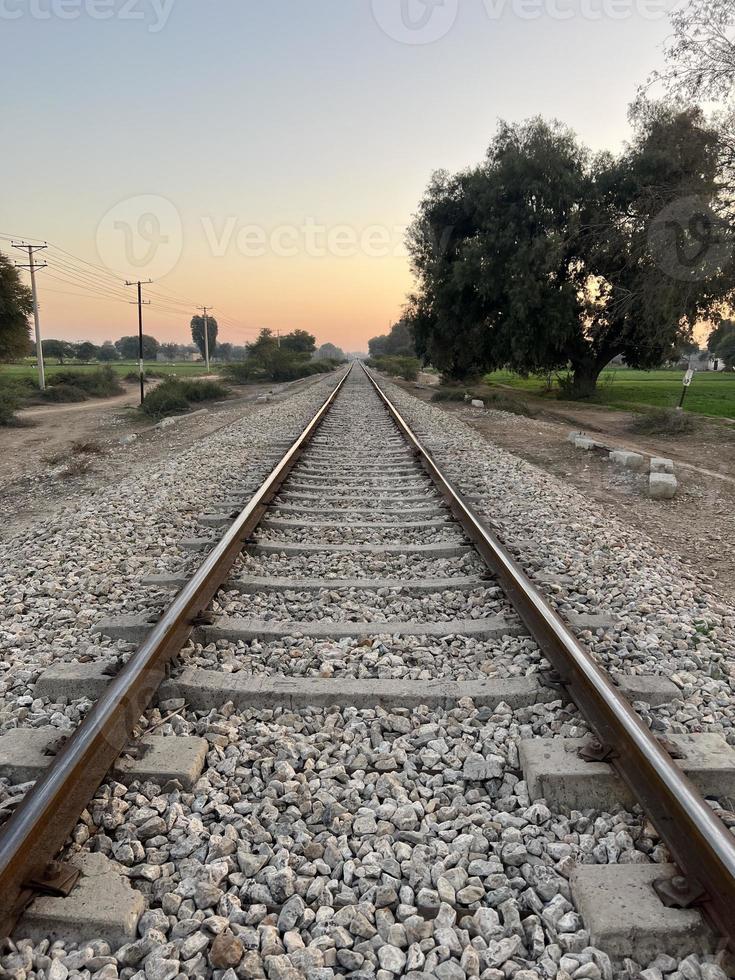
x=700 y=52
x=197 y=333
x=16 y=306
x=299 y=341
x=398 y=343
x=108 y=352
x=329 y=351
x=721 y=342
x=62 y=350
x=128 y=348
x=87 y=351
x=546 y=257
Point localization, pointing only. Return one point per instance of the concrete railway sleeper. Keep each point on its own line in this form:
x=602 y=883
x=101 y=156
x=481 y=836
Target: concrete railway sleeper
x=347 y=775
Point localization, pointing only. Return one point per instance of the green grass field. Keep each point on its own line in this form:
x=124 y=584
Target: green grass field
x=183 y=369
x=710 y=393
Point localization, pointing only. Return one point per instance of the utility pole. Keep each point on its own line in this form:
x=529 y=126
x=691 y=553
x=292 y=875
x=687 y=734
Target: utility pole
x=140 y=304
x=278 y=338
x=204 y=310
x=33 y=266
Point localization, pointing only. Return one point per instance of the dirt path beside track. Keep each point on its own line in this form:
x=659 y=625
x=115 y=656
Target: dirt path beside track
x=698 y=524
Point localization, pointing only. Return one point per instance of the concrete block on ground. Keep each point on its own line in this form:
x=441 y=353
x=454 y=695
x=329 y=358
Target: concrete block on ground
x=23 y=757
x=132 y=629
x=66 y=681
x=215 y=520
x=662 y=486
x=437 y=550
x=207 y=689
x=627 y=459
x=626 y=918
x=102 y=905
x=196 y=544
x=164 y=758
x=661 y=465
x=591 y=621
x=584 y=442
x=554 y=772
x=478 y=403
x=22 y=752
x=651 y=688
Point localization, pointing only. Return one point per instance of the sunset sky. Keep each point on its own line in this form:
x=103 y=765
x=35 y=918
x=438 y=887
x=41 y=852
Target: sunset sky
x=263 y=158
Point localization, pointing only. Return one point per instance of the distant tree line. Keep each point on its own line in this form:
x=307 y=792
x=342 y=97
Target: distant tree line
x=284 y=358
x=398 y=342
x=721 y=343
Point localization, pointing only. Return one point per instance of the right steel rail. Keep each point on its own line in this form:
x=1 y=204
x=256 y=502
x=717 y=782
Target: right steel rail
x=699 y=842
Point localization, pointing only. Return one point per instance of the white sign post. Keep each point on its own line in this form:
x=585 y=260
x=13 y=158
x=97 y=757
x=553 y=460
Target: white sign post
x=688 y=378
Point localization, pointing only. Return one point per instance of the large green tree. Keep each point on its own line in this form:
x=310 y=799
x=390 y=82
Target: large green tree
x=108 y=352
x=329 y=351
x=16 y=306
x=62 y=350
x=726 y=350
x=128 y=348
x=299 y=342
x=87 y=351
x=546 y=258
x=721 y=342
x=197 y=333
x=398 y=343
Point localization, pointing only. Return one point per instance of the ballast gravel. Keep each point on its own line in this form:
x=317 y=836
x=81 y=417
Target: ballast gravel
x=60 y=578
x=359 y=605
x=361 y=843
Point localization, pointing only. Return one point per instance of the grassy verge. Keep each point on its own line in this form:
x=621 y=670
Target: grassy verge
x=28 y=369
x=279 y=368
x=174 y=397
x=710 y=393
x=494 y=398
x=63 y=386
x=397 y=367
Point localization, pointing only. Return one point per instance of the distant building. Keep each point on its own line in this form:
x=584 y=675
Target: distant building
x=702 y=361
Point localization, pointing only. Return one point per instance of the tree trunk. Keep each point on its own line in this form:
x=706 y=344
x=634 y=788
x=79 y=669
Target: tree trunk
x=584 y=379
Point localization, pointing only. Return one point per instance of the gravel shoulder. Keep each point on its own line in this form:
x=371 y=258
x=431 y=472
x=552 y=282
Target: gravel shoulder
x=34 y=483
x=697 y=525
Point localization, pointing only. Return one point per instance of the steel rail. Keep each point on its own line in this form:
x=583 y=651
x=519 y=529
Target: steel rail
x=699 y=842
x=46 y=817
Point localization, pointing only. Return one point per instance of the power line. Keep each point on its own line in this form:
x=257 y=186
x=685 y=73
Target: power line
x=100 y=281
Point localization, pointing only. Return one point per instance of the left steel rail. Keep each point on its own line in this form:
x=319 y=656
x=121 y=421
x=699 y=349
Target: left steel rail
x=45 y=819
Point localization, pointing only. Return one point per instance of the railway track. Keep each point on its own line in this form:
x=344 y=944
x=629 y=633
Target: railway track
x=354 y=589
